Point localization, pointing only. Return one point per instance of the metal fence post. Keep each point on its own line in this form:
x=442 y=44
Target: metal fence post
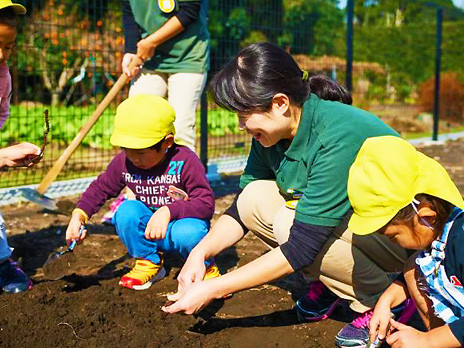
x=436 y=108
x=204 y=130
x=349 y=44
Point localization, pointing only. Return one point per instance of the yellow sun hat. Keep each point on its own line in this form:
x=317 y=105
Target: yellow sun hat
x=17 y=8
x=142 y=121
x=386 y=175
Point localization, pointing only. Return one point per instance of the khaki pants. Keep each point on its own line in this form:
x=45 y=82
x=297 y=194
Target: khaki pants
x=353 y=267
x=182 y=90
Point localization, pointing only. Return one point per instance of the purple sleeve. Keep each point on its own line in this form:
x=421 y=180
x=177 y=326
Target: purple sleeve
x=201 y=197
x=5 y=93
x=108 y=185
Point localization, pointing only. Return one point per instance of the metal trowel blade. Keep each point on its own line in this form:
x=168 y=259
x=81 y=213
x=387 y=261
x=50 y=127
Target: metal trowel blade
x=59 y=264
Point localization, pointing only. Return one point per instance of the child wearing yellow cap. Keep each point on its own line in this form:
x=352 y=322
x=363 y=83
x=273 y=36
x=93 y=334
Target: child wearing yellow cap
x=12 y=278
x=174 y=201
x=410 y=198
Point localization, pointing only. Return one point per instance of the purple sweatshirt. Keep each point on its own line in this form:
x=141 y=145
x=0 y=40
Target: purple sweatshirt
x=5 y=92
x=181 y=168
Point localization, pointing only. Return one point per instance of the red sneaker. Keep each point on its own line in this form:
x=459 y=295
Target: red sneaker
x=143 y=275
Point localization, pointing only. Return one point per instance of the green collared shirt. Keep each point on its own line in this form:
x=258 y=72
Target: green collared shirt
x=187 y=52
x=315 y=165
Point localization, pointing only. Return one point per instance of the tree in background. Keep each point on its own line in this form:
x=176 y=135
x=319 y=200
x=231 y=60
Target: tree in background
x=451 y=97
x=395 y=13
x=313 y=27
x=59 y=38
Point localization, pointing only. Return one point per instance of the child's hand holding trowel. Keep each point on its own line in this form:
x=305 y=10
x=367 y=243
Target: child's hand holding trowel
x=74 y=231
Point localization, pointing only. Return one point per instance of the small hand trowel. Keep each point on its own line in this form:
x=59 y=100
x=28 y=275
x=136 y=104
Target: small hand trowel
x=34 y=196
x=60 y=263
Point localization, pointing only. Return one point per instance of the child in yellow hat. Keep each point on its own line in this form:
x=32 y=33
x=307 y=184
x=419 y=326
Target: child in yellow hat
x=174 y=201
x=410 y=198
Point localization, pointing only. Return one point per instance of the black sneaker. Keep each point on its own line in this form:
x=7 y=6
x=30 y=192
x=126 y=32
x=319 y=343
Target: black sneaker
x=318 y=304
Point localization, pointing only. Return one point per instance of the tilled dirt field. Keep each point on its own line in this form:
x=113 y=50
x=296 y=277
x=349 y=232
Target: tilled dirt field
x=89 y=308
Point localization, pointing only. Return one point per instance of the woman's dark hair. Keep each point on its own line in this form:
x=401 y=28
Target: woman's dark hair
x=440 y=206
x=260 y=71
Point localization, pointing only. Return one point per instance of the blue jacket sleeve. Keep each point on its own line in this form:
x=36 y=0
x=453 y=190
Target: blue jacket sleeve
x=232 y=211
x=188 y=12
x=304 y=243
x=132 y=31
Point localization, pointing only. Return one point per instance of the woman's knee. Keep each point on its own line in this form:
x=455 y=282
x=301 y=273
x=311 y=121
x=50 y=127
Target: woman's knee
x=283 y=221
x=260 y=200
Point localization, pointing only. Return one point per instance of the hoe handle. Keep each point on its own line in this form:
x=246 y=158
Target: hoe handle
x=61 y=161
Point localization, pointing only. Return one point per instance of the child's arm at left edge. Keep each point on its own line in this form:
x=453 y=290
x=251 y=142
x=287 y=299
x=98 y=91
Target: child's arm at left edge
x=16 y=155
x=407 y=336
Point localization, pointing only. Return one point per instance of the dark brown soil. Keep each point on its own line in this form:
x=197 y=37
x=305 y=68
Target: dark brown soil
x=88 y=308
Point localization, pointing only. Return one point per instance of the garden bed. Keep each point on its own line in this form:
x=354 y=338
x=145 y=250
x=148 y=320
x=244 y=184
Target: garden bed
x=90 y=309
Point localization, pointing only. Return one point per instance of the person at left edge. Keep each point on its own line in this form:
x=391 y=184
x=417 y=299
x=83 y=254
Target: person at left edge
x=12 y=278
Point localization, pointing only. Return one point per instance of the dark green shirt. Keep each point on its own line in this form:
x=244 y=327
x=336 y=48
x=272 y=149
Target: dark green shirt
x=316 y=163
x=187 y=52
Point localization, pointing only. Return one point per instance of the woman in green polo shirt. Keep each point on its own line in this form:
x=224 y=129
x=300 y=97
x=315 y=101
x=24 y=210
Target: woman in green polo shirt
x=294 y=192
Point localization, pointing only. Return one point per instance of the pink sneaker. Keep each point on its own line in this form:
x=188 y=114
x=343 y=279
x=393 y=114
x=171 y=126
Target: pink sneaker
x=356 y=334
x=106 y=219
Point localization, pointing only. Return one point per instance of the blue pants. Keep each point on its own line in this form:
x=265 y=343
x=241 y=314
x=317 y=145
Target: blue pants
x=5 y=250
x=182 y=235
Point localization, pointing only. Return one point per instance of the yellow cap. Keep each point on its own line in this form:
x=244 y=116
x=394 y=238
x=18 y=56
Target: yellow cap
x=17 y=8
x=386 y=176
x=141 y=121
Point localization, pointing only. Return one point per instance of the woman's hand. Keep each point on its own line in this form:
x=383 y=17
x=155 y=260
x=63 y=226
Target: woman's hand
x=72 y=232
x=158 y=224
x=193 y=270
x=191 y=299
x=126 y=61
x=17 y=155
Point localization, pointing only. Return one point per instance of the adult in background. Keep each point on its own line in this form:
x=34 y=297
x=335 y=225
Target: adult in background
x=172 y=39
x=294 y=193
